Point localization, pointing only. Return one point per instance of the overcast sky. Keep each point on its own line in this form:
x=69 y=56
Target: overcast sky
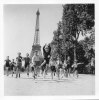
x=19 y=26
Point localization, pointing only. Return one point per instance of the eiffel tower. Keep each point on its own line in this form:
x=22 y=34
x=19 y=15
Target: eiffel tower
x=36 y=44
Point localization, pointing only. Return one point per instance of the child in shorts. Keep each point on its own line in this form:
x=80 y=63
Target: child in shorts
x=7 y=64
x=75 y=68
x=52 y=65
x=19 y=64
x=68 y=66
x=27 y=63
x=59 y=68
x=13 y=64
x=36 y=63
x=65 y=68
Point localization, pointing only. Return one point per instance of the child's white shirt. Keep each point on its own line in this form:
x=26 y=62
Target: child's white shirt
x=35 y=58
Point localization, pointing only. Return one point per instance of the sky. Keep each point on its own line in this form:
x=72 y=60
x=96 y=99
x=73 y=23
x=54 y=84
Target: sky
x=19 y=26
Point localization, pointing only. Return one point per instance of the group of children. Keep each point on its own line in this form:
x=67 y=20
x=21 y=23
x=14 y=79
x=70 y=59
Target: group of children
x=57 y=67
x=15 y=66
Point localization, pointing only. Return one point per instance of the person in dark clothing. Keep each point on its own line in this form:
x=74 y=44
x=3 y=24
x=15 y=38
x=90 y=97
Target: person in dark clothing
x=7 y=64
x=47 y=55
x=27 y=63
x=13 y=64
x=19 y=64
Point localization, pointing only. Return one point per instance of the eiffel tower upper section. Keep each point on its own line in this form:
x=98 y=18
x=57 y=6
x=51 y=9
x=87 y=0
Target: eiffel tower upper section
x=36 y=44
x=36 y=36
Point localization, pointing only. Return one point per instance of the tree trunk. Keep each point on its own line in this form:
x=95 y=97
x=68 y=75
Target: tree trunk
x=74 y=52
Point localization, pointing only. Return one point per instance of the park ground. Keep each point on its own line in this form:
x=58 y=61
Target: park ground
x=27 y=86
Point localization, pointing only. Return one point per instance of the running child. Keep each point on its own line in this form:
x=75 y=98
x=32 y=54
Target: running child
x=75 y=68
x=47 y=54
x=19 y=64
x=59 y=68
x=65 y=68
x=52 y=65
x=92 y=64
x=27 y=63
x=7 y=64
x=36 y=63
x=13 y=65
x=68 y=66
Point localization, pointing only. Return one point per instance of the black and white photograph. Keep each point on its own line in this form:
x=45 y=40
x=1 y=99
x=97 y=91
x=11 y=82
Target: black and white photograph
x=49 y=49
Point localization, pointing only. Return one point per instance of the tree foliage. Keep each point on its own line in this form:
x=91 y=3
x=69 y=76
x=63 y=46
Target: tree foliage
x=76 y=19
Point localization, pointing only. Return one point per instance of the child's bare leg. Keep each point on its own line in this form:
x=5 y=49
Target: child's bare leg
x=19 y=70
x=36 y=71
x=16 y=72
x=7 y=71
x=43 y=63
x=51 y=75
x=12 y=72
x=41 y=72
x=69 y=71
x=44 y=73
x=34 y=74
x=28 y=70
x=62 y=72
x=46 y=69
x=77 y=73
x=66 y=71
x=32 y=69
x=73 y=71
x=58 y=74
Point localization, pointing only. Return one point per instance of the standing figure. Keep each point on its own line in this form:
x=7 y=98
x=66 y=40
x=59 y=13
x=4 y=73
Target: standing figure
x=19 y=64
x=13 y=65
x=35 y=64
x=7 y=65
x=47 y=55
x=27 y=63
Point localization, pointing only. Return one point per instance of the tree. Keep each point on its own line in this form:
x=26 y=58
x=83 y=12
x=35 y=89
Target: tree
x=56 y=43
x=76 y=20
x=88 y=44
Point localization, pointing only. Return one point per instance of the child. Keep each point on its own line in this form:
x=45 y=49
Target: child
x=7 y=64
x=13 y=64
x=68 y=66
x=27 y=63
x=36 y=63
x=47 y=55
x=92 y=64
x=19 y=64
x=59 y=68
x=53 y=68
x=75 y=68
x=65 y=68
